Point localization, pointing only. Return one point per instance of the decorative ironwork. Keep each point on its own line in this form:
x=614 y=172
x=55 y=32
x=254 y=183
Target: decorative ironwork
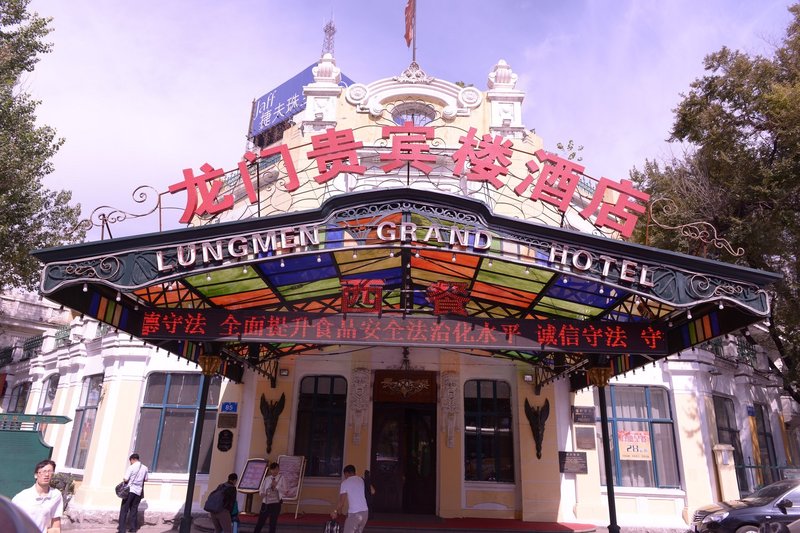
x=413 y=74
x=105 y=215
x=405 y=387
x=701 y=231
x=270 y=412
x=537 y=416
x=599 y=375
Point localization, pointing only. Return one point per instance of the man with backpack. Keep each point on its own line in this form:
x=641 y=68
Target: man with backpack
x=220 y=505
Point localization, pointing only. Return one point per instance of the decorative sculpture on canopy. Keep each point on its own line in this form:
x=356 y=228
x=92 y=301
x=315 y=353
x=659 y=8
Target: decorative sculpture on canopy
x=270 y=412
x=537 y=416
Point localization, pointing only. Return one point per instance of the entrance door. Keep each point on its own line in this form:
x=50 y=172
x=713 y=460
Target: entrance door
x=403 y=466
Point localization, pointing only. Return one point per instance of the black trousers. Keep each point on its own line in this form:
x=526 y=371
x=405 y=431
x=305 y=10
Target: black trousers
x=271 y=511
x=129 y=513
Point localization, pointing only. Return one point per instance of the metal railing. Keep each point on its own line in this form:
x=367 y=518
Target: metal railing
x=757 y=476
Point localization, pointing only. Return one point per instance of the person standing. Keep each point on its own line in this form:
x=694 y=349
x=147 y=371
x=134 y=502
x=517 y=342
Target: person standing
x=272 y=490
x=43 y=504
x=222 y=519
x=135 y=476
x=352 y=496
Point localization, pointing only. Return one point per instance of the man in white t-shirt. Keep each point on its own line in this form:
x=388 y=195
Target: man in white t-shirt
x=135 y=476
x=43 y=504
x=351 y=495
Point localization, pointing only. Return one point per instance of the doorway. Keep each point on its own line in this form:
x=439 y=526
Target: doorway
x=403 y=464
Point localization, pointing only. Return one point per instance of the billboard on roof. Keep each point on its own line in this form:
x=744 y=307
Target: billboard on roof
x=283 y=102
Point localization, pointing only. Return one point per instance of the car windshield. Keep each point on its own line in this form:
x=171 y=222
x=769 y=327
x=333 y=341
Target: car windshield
x=773 y=491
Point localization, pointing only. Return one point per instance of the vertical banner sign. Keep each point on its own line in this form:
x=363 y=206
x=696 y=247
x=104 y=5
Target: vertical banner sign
x=634 y=445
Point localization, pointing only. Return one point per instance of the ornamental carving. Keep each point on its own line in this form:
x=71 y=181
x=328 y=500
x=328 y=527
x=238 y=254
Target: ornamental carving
x=405 y=387
x=450 y=402
x=359 y=401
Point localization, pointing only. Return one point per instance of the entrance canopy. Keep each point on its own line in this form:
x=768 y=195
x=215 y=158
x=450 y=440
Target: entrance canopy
x=405 y=267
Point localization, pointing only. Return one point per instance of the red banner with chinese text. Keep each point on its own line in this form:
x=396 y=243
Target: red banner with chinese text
x=359 y=329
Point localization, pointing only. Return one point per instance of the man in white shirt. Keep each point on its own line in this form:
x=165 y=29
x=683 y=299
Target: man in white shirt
x=352 y=496
x=135 y=476
x=43 y=504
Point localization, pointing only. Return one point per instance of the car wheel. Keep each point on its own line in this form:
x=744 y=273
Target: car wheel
x=747 y=529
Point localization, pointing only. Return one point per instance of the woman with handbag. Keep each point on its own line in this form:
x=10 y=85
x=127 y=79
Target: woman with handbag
x=135 y=476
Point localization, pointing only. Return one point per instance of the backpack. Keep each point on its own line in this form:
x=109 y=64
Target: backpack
x=332 y=527
x=214 y=503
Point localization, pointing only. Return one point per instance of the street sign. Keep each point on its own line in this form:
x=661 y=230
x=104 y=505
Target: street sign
x=33 y=419
x=229 y=407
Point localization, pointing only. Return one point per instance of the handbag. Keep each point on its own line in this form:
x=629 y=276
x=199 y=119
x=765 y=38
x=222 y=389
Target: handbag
x=332 y=526
x=122 y=489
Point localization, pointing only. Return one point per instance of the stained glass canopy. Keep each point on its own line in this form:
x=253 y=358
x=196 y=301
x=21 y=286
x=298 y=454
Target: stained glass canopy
x=405 y=267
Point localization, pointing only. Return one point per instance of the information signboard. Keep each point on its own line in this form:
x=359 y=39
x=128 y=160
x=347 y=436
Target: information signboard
x=292 y=469
x=252 y=475
x=572 y=463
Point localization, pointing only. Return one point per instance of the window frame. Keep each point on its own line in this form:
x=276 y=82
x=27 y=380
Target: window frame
x=651 y=422
x=329 y=416
x=151 y=457
x=732 y=437
x=83 y=426
x=767 y=458
x=496 y=414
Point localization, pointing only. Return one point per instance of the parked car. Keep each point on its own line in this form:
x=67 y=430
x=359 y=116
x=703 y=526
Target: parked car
x=777 y=503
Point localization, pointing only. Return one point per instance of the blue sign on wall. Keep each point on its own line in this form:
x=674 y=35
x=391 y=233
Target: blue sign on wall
x=283 y=102
x=229 y=407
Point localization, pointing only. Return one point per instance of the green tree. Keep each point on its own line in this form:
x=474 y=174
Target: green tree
x=741 y=174
x=31 y=216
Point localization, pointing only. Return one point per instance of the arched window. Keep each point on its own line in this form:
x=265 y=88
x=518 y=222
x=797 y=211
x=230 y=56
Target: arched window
x=18 y=398
x=418 y=113
x=48 y=395
x=319 y=435
x=83 y=423
x=170 y=408
x=488 y=439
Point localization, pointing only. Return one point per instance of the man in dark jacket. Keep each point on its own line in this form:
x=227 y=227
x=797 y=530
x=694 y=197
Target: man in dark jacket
x=222 y=518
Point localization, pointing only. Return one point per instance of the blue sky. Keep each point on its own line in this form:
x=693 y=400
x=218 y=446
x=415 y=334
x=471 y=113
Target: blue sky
x=142 y=90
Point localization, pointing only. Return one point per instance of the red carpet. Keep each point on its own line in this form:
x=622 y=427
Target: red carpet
x=418 y=522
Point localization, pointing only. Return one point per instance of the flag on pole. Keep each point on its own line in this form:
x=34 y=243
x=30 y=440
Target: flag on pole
x=411 y=8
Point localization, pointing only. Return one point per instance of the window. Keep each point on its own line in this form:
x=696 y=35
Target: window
x=18 y=398
x=48 y=396
x=418 y=113
x=488 y=441
x=728 y=433
x=642 y=435
x=766 y=448
x=319 y=435
x=83 y=423
x=167 y=420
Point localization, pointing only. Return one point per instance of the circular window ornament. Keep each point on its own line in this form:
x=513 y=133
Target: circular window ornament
x=418 y=113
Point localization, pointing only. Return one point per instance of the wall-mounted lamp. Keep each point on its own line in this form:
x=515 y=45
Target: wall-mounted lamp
x=283 y=372
x=528 y=378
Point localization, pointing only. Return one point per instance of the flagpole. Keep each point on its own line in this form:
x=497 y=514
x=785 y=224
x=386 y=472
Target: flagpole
x=414 y=36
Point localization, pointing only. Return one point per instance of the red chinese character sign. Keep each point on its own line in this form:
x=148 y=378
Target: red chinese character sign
x=487 y=159
x=370 y=329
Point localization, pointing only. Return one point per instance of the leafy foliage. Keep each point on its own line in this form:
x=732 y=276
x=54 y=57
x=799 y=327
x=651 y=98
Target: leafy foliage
x=66 y=484
x=31 y=216
x=741 y=175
